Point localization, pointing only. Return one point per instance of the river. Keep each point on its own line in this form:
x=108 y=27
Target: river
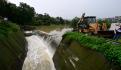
x=41 y=50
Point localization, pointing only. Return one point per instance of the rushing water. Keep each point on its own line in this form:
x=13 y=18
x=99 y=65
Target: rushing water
x=41 y=50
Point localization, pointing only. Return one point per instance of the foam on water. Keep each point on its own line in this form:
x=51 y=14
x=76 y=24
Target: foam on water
x=38 y=56
x=40 y=52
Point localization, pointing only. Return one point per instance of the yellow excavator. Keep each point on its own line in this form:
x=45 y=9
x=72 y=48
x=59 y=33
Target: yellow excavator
x=89 y=24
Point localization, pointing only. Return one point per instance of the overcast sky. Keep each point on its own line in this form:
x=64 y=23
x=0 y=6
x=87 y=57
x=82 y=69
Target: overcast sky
x=70 y=8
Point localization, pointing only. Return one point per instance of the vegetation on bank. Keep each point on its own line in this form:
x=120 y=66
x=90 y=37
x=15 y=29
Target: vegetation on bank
x=12 y=46
x=101 y=21
x=24 y=14
x=46 y=19
x=6 y=28
x=111 y=51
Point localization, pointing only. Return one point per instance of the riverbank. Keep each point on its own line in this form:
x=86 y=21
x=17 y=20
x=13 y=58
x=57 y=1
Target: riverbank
x=79 y=51
x=48 y=28
x=12 y=47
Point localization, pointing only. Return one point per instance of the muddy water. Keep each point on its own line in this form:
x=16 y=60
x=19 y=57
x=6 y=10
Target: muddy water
x=41 y=50
x=38 y=55
x=52 y=27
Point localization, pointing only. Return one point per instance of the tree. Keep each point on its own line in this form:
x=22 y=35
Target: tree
x=21 y=15
x=107 y=23
x=25 y=14
x=3 y=8
x=74 y=22
x=59 y=20
x=3 y=0
x=100 y=21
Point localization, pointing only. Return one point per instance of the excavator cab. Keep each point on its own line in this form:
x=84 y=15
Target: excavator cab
x=90 y=19
x=85 y=23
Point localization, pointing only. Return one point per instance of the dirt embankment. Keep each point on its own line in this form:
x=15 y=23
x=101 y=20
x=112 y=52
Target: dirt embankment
x=12 y=47
x=71 y=55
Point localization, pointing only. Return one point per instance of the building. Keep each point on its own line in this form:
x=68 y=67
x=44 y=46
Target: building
x=116 y=19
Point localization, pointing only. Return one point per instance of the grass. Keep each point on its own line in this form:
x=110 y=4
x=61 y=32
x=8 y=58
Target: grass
x=6 y=28
x=111 y=51
x=119 y=40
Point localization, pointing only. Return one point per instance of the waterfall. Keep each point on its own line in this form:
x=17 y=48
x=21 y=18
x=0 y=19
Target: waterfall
x=41 y=50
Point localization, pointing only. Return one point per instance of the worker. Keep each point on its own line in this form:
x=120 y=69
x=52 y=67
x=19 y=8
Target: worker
x=117 y=33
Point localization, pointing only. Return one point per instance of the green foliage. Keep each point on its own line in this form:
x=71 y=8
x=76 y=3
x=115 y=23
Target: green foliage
x=22 y=14
x=26 y=15
x=108 y=23
x=100 y=21
x=6 y=28
x=74 y=22
x=111 y=51
x=46 y=19
x=12 y=46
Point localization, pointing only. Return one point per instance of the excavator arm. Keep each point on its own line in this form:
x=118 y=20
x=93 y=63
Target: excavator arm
x=80 y=21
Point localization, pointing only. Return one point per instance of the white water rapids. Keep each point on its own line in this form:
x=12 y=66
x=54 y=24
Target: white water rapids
x=40 y=51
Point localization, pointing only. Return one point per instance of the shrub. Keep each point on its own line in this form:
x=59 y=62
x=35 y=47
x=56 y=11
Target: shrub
x=6 y=28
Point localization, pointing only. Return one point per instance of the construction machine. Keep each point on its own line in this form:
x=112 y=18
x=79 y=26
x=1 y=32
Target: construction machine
x=89 y=24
